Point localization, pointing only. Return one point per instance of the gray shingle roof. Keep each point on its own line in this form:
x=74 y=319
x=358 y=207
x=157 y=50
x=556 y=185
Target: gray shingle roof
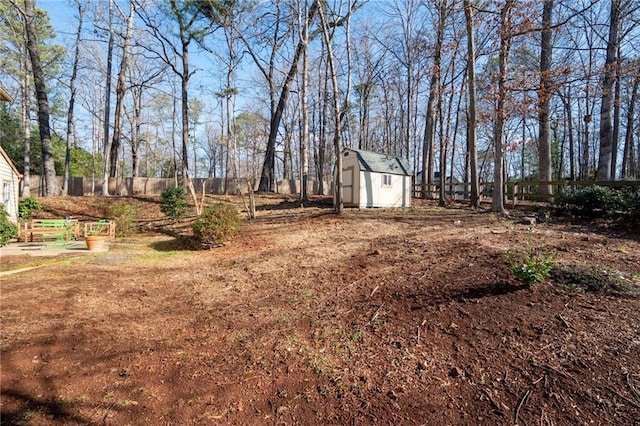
x=382 y=163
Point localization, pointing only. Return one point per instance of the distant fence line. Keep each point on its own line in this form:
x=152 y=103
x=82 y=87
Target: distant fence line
x=80 y=186
x=515 y=191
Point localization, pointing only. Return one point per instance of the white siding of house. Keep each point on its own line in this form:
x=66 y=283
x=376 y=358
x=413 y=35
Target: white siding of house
x=9 y=189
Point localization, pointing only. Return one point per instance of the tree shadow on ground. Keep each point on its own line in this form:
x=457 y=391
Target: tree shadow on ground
x=290 y=203
x=179 y=243
x=29 y=405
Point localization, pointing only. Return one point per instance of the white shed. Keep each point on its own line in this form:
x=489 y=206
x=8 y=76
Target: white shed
x=10 y=185
x=370 y=179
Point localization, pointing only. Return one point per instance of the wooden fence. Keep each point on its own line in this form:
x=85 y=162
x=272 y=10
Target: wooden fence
x=79 y=186
x=515 y=192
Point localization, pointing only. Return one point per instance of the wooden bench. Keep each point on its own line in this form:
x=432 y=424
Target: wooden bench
x=58 y=229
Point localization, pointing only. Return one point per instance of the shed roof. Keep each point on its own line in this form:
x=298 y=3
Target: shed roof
x=381 y=163
x=4 y=96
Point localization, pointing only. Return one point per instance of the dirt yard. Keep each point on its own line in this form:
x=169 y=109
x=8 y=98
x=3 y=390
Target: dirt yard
x=380 y=316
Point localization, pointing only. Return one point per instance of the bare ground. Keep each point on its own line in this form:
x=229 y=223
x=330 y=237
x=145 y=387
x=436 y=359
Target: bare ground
x=376 y=317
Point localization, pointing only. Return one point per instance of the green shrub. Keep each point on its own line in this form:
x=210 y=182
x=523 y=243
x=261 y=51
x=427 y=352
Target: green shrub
x=27 y=206
x=174 y=203
x=532 y=269
x=594 y=202
x=7 y=229
x=125 y=215
x=216 y=224
x=530 y=266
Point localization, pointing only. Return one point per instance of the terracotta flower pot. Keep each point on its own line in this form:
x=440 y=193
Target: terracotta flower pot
x=95 y=242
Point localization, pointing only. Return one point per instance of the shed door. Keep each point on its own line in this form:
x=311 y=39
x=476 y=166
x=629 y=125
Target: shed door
x=347 y=185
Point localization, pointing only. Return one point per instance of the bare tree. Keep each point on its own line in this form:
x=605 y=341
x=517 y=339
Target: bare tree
x=106 y=148
x=605 y=159
x=33 y=47
x=629 y=160
x=544 y=100
x=434 y=96
x=81 y=8
x=113 y=157
x=472 y=148
x=174 y=52
x=303 y=25
x=500 y=110
x=337 y=131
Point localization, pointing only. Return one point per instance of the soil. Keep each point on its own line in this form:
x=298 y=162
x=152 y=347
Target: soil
x=378 y=316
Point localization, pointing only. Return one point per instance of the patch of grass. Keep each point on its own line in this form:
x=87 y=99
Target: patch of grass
x=357 y=335
x=285 y=319
x=319 y=364
x=598 y=280
x=28 y=414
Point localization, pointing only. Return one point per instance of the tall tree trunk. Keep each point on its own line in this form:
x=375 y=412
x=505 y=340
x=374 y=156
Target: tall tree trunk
x=472 y=148
x=616 y=120
x=604 y=171
x=136 y=123
x=323 y=86
x=184 y=85
x=544 y=101
x=434 y=86
x=304 y=114
x=267 y=177
x=72 y=99
x=120 y=92
x=106 y=149
x=337 y=139
x=26 y=125
x=569 y=114
x=498 y=137
x=629 y=164
x=49 y=170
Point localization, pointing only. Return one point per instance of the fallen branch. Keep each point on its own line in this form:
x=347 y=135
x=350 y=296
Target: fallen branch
x=499 y=407
x=563 y=321
x=633 y=389
x=523 y=400
x=374 y=290
x=375 y=315
x=615 y=392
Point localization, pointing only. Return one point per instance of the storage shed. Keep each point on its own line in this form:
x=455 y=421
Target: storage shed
x=370 y=179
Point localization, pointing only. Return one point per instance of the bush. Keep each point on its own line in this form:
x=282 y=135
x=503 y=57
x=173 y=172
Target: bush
x=125 y=215
x=27 y=206
x=530 y=266
x=594 y=202
x=7 y=229
x=174 y=203
x=216 y=224
x=532 y=269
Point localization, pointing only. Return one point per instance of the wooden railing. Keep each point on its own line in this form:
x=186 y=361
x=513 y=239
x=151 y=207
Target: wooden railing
x=521 y=191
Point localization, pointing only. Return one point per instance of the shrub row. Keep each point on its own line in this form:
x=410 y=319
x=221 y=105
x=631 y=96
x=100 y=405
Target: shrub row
x=595 y=202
